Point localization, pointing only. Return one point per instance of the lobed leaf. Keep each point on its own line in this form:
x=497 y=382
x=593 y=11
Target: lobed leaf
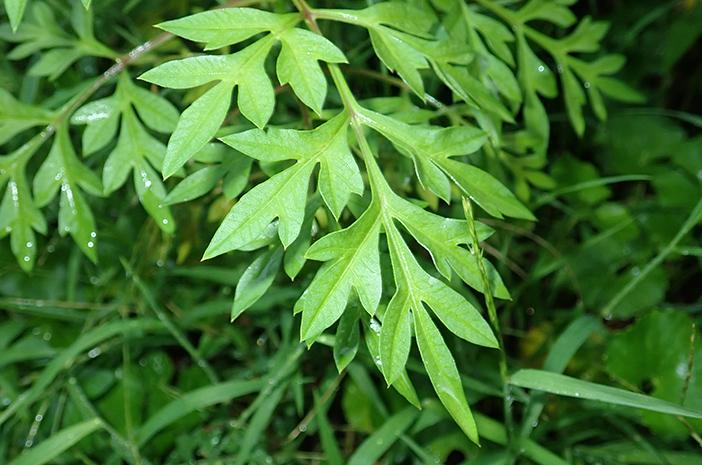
x=297 y=64
x=227 y=26
x=353 y=260
x=62 y=168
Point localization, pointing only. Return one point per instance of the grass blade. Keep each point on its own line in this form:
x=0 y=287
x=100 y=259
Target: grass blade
x=379 y=442
x=194 y=400
x=47 y=450
x=573 y=387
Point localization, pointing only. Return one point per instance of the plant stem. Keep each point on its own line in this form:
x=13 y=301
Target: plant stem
x=492 y=313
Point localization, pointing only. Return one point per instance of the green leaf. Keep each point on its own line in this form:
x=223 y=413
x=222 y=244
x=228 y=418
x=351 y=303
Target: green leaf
x=15 y=11
x=547 y=11
x=196 y=185
x=136 y=149
x=353 y=260
x=155 y=111
x=442 y=238
x=60 y=441
x=297 y=64
x=470 y=89
x=151 y=194
x=395 y=53
x=402 y=384
x=572 y=387
x=395 y=335
x=199 y=122
x=485 y=190
x=102 y=118
x=62 y=168
x=228 y=26
x=443 y=373
x=295 y=254
x=426 y=145
x=453 y=310
x=284 y=194
x=256 y=280
x=19 y=217
x=16 y=116
x=348 y=337
x=401 y=16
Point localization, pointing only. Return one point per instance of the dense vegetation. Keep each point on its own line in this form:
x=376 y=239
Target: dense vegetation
x=433 y=224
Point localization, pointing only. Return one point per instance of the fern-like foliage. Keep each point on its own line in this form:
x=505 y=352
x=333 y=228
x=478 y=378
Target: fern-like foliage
x=326 y=197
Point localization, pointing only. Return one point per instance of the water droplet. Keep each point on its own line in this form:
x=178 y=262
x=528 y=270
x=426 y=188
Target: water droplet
x=39 y=417
x=29 y=244
x=35 y=331
x=90 y=244
x=51 y=248
x=303 y=428
x=5 y=401
x=202 y=363
x=28 y=443
x=47 y=336
x=560 y=69
x=93 y=280
x=635 y=271
x=159 y=262
x=587 y=85
x=542 y=68
x=215 y=441
x=93 y=234
x=535 y=424
x=142 y=362
x=26 y=258
x=577 y=394
x=94 y=353
x=165 y=221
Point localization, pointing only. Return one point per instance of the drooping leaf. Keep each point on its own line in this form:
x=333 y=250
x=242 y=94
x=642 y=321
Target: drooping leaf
x=256 y=280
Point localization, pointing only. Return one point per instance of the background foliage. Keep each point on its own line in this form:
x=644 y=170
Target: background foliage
x=114 y=345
